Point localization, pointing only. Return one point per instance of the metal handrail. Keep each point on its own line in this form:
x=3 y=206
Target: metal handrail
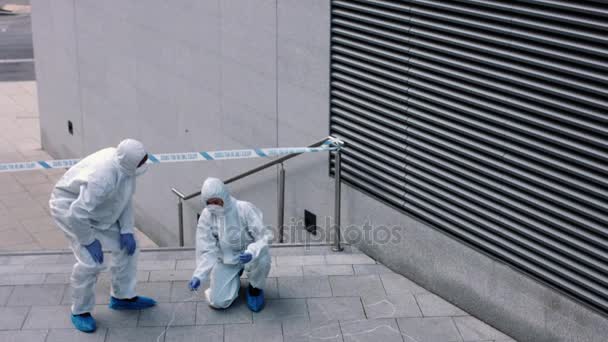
x=281 y=196
x=249 y=172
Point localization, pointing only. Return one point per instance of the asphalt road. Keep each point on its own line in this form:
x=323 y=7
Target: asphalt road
x=16 y=46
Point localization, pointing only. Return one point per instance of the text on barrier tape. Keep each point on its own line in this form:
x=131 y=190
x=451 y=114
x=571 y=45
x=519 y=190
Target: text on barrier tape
x=328 y=145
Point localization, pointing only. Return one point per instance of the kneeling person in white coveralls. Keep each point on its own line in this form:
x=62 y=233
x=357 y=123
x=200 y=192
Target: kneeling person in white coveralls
x=91 y=203
x=230 y=239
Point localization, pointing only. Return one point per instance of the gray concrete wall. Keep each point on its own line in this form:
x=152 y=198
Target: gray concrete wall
x=189 y=76
x=195 y=75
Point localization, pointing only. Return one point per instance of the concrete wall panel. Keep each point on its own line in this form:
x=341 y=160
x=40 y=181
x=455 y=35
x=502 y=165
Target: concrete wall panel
x=56 y=56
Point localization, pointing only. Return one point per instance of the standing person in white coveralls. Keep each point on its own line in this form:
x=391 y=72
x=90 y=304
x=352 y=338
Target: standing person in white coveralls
x=92 y=204
x=230 y=239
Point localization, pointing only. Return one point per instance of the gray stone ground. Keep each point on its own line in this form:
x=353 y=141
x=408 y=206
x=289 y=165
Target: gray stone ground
x=25 y=224
x=311 y=295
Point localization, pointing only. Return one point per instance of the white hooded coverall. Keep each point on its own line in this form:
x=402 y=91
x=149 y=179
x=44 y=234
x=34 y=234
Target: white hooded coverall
x=222 y=237
x=93 y=201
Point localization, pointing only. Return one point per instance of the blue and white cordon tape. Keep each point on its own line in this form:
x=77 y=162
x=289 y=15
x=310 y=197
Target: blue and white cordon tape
x=331 y=144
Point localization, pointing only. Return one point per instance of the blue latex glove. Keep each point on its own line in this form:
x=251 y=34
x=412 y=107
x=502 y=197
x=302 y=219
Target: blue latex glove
x=95 y=250
x=128 y=241
x=194 y=284
x=245 y=257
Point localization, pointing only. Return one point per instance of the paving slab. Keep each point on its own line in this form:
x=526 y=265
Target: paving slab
x=160 y=291
x=5 y=292
x=166 y=255
x=57 y=278
x=21 y=279
x=349 y=286
x=48 y=294
x=429 y=329
x=108 y=318
x=327 y=270
x=257 y=332
x=305 y=331
x=160 y=315
x=156 y=265
x=373 y=330
x=73 y=335
x=40 y=224
x=134 y=334
x=207 y=333
x=348 y=259
x=12 y=318
x=286 y=271
x=180 y=292
x=34 y=259
x=391 y=306
x=238 y=312
x=188 y=264
x=328 y=310
x=23 y=336
x=48 y=317
x=170 y=275
x=304 y=287
x=282 y=310
x=12 y=269
x=48 y=268
x=300 y=260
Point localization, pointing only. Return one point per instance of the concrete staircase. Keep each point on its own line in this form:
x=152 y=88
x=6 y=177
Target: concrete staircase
x=312 y=295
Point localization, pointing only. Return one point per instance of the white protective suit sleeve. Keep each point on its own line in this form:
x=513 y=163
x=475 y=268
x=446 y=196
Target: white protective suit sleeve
x=90 y=195
x=207 y=247
x=126 y=221
x=255 y=225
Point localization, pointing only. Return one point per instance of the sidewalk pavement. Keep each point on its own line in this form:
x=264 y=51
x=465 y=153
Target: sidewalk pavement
x=25 y=223
x=313 y=295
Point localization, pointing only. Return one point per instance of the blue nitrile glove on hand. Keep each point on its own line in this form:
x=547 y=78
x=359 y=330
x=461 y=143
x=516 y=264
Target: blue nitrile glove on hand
x=194 y=284
x=245 y=257
x=94 y=249
x=128 y=241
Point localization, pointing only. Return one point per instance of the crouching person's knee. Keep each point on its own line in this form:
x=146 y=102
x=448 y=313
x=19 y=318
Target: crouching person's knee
x=219 y=300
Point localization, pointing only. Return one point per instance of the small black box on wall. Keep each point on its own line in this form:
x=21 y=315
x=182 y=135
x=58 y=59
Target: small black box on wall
x=310 y=222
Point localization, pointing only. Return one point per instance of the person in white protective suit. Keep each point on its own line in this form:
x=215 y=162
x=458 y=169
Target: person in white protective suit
x=230 y=239
x=92 y=204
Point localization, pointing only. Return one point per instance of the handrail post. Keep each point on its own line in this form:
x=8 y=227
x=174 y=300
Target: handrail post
x=281 y=203
x=337 y=247
x=180 y=218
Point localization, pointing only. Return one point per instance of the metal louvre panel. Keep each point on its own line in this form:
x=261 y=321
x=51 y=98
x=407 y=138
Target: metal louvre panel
x=598 y=153
x=485 y=119
x=553 y=127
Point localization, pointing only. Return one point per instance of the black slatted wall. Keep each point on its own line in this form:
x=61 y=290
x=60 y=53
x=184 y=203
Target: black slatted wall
x=487 y=119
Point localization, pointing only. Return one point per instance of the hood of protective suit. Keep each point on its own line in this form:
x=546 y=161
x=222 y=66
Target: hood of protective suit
x=215 y=188
x=129 y=154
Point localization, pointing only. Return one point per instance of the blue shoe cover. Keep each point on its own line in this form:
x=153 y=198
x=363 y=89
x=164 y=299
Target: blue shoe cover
x=85 y=323
x=136 y=303
x=255 y=303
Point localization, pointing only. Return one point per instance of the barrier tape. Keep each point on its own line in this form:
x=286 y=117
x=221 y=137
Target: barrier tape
x=331 y=144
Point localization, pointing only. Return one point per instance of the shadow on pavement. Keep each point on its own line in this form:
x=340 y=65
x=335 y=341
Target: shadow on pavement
x=17 y=71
